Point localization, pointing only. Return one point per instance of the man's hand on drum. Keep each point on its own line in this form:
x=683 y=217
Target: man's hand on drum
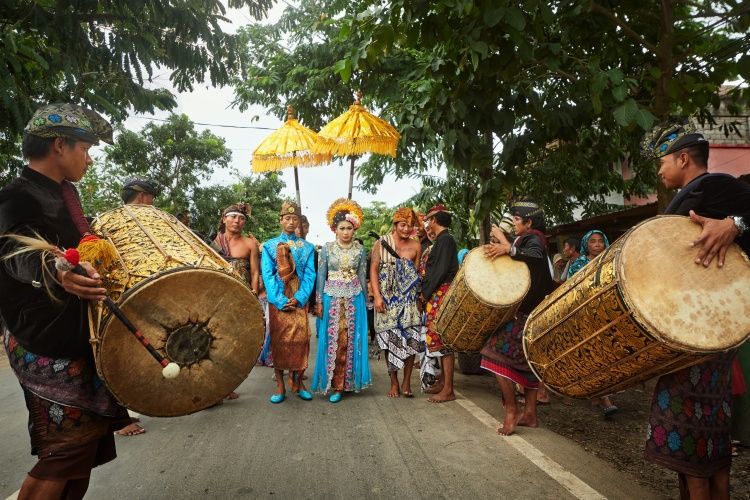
x=495 y=250
x=86 y=287
x=379 y=305
x=715 y=239
x=290 y=305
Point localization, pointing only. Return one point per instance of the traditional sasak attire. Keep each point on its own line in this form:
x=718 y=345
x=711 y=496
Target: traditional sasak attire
x=240 y=265
x=690 y=422
x=440 y=268
x=72 y=415
x=398 y=329
x=503 y=353
x=342 y=362
x=288 y=272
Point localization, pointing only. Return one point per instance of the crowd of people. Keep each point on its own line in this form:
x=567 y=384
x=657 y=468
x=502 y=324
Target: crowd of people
x=404 y=280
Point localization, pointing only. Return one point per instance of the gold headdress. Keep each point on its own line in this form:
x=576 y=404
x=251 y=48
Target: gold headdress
x=290 y=208
x=405 y=214
x=351 y=210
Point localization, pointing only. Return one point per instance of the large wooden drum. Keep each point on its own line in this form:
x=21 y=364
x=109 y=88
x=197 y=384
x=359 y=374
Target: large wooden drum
x=484 y=294
x=640 y=309
x=185 y=299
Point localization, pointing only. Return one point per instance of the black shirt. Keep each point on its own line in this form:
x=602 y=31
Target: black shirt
x=716 y=196
x=442 y=264
x=530 y=249
x=57 y=328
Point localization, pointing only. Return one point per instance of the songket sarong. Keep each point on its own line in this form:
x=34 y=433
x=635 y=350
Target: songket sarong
x=430 y=369
x=290 y=330
x=342 y=362
x=503 y=355
x=399 y=328
x=690 y=422
x=72 y=415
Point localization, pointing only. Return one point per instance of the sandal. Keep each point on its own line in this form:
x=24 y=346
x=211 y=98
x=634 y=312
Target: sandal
x=610 y=410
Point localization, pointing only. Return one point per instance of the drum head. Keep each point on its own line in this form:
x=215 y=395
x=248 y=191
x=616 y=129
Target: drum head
x=205 y=320
x=499 y=282
x=687 y=306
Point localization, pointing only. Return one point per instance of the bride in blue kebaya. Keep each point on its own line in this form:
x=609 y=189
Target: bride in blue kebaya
x=342 y=363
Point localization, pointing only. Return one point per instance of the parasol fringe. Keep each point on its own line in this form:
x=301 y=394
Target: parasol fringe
x=363 y=145
x=268 y=163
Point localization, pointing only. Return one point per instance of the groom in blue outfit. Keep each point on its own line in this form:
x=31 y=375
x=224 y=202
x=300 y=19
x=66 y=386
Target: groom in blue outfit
x=288 y=269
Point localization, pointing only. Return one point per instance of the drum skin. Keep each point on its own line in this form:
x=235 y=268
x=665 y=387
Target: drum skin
x=484 y=294
x=639 y=310
x=186 y=301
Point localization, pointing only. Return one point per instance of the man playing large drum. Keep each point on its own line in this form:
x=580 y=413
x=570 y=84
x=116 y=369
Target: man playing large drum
x=71 y=413
x=690 y=422
x=503 y=353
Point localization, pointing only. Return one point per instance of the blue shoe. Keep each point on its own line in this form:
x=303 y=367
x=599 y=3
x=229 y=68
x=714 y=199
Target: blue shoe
x=304 y=395
x=335 y=397
x=277 y=398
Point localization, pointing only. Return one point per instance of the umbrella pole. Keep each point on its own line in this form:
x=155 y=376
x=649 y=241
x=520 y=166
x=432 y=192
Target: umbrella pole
x=296 y=184
x=351 y=177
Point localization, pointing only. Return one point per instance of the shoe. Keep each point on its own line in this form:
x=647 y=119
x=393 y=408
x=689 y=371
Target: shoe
x=277 y=398
x=335 y=397
x=304 y=395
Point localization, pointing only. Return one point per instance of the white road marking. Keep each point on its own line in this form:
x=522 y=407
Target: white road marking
x=564 y=477
x=13 y=496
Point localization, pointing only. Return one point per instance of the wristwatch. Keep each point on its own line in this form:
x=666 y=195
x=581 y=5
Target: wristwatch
x=739 y=223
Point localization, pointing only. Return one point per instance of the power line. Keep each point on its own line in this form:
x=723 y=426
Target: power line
x=208 y=124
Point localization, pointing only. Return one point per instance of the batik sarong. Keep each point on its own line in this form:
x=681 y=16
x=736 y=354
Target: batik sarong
x=399 y=327
x=435 y=349
x=72 y=415
x=290 y=330
x=690 y=422
x=503 y=355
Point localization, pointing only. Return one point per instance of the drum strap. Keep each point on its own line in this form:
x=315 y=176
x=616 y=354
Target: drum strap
x=389 y=249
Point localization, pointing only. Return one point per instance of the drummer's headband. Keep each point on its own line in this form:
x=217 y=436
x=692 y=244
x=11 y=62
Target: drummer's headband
x=240 y=214
x=526 y=209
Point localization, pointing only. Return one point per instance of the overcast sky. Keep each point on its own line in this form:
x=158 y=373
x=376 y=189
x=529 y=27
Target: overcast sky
x=319 y=186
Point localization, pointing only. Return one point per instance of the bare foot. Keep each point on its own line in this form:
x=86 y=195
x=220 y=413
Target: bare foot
x=442 y=397
x=132 y=429
x=394 y=393
x=232 y=395
x=406 y=391
x=435 y=389
x=509 y=423
x=527 y=420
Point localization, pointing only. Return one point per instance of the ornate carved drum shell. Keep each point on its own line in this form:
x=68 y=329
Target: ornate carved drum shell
x=640 y=309
x=484 y=294
x=185 y=299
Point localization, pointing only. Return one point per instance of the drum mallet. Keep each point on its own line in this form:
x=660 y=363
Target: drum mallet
x=169 y=369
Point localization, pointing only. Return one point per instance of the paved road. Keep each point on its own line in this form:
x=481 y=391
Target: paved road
x=367 y=446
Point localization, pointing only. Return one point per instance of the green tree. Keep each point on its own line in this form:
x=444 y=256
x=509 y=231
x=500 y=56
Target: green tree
x=173 y=154
x=377 y=218
x=511 y=98
x=109 y=55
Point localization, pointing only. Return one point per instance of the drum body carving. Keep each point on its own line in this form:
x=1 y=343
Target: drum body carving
x=484 y=294
x=185 y=299
x=639 y=310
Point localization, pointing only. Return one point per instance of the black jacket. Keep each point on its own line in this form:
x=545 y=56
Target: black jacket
x=530 y=249
x=716 y=196
x=442 y=264
x=33 y=203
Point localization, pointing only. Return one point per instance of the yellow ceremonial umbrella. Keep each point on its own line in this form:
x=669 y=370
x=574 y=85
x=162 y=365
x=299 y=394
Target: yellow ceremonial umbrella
x=357 y=132
x=290 y=146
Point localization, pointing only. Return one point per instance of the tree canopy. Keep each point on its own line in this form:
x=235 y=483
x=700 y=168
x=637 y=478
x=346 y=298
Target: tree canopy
x=547 y=99
x=112 y=56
